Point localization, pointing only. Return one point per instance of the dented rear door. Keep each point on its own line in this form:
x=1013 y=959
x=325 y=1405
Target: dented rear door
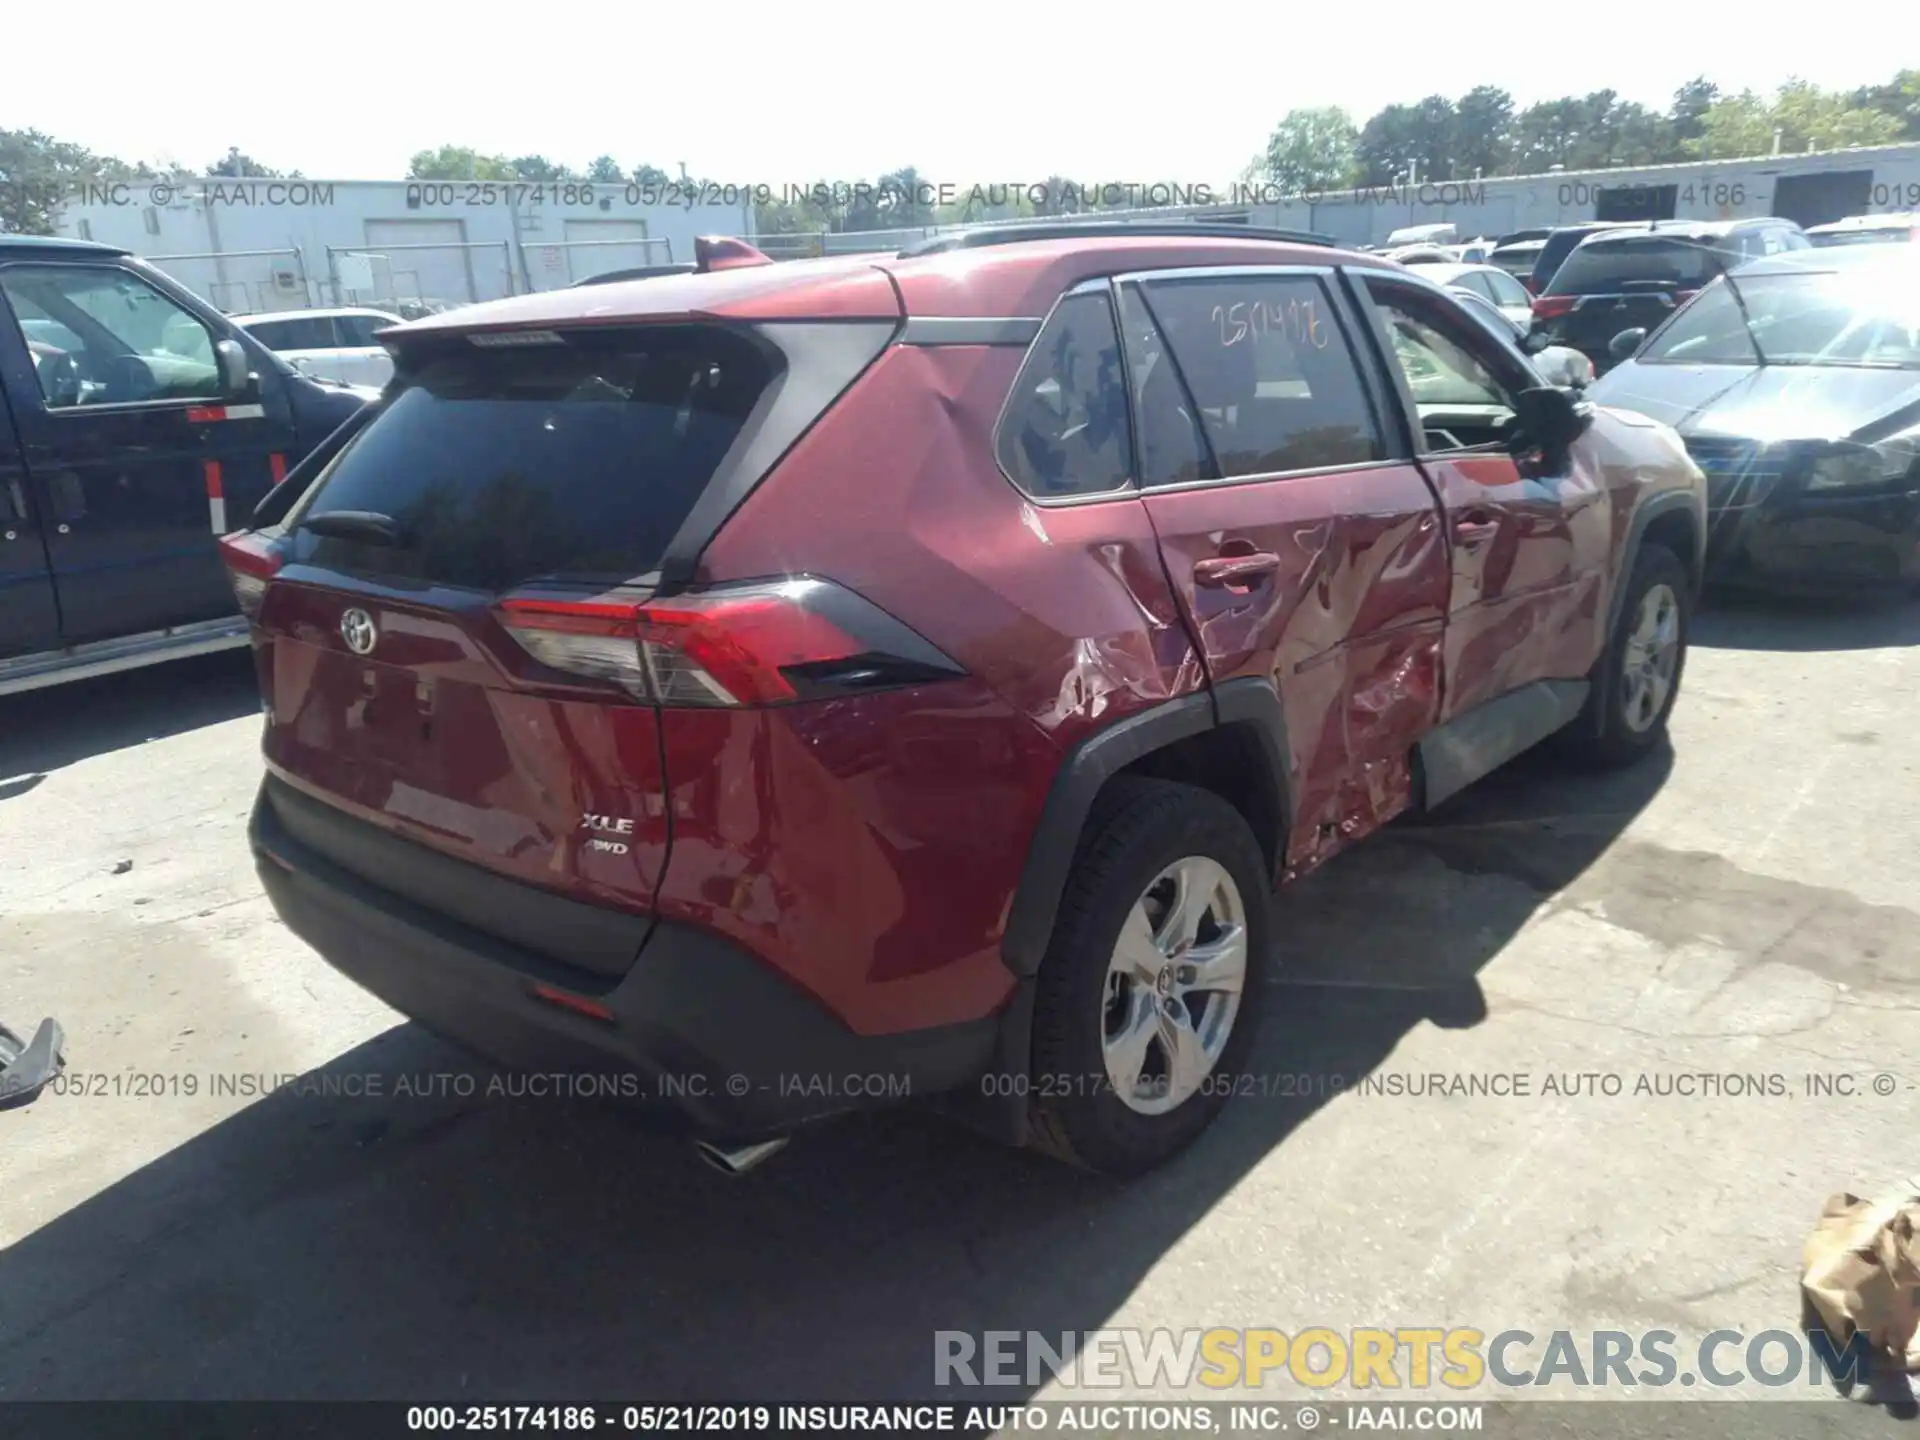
x=1304 y=546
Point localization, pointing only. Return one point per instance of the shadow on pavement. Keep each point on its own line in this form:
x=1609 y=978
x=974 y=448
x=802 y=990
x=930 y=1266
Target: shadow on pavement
x=1736 y=620
x=44 y=730
x=448 y=1247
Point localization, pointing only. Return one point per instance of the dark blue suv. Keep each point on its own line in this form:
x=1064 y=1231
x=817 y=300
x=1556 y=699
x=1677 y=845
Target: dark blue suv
x=137 y=425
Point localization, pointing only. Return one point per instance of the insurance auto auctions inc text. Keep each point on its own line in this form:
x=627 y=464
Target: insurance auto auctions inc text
x=1400 y=1358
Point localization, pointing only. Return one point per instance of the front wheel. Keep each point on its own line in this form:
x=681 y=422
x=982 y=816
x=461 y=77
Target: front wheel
x=1637 y=679
x=1148 y=993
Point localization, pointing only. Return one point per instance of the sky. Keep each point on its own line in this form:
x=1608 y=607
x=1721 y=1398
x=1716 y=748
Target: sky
x=969 y=91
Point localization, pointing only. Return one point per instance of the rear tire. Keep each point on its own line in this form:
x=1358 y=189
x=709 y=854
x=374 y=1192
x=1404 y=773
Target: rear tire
x=1637 y=678
x=1143 y=1014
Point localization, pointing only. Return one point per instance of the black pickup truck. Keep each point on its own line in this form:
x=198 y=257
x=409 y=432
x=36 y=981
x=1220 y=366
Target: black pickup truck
x=137 y=425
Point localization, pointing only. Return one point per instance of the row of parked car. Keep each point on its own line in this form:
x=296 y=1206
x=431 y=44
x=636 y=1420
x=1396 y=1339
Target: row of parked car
x=1788 y=358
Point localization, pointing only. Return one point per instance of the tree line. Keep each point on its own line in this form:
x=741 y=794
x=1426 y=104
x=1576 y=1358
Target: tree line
x=1480 y=135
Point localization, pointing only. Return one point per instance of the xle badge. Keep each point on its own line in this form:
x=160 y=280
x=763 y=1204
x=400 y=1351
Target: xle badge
x=602 y=826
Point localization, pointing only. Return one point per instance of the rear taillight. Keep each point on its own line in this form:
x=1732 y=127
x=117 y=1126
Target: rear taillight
x=759 y=644
x=1552 y=307
x=252 y=560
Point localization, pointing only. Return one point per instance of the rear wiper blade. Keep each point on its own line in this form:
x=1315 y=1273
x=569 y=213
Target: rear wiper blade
x=355 y=525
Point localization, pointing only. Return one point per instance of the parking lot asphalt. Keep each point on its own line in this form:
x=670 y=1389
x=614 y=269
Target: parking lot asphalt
x=1743 y=904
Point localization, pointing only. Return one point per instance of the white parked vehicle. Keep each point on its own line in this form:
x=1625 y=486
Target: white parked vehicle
x=1489 y=282
x=1444 y=233
x=333 y=344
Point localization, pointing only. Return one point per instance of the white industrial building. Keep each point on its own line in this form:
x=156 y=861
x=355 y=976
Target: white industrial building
x=256 y=244
x=253 y=244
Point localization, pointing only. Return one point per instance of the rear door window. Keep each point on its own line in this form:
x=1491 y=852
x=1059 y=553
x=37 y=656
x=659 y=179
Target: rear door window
x=304 y=332
x=1064 y=432
x=581 y=458
x=1262 y=376
x=359 y=330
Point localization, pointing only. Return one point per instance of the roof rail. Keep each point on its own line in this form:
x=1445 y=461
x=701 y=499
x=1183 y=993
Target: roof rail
x=1109 y=229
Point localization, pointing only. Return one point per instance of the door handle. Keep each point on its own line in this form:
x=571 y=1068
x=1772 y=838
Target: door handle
x=1227 y=570
x=69 y=496
x=1474 y=529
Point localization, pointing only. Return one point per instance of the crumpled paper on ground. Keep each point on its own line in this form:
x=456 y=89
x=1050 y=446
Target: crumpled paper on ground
x=1860 y=1272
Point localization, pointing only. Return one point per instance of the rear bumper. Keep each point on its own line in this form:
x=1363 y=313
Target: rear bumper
x=1837 y=543
x=699 y=1027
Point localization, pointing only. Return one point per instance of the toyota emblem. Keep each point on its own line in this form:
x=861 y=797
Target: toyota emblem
x=356 y=628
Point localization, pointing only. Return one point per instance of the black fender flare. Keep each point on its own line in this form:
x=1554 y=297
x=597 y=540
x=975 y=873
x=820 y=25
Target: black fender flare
x=1644 y=514
x=1667 y=502
x=1250 y=702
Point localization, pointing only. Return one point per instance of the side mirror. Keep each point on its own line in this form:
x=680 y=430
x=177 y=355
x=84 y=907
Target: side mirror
x=1563 y=367
x=237 y=380
x=1534 y=341
x=1548 y=419
x=1622 y=346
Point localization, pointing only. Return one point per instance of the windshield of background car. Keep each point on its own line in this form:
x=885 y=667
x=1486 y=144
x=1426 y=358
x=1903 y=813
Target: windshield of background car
x=1653 y=262
x=1856 y=318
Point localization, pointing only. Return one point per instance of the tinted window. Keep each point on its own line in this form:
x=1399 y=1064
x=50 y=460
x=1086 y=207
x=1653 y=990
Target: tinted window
x=1517 y=261
x=1065 y=431
x=501 y=465
x=1554 y=251
x=100 y=335
x=360 y=329
x=1657 y=262
x=307 y=332
x=1265 y=364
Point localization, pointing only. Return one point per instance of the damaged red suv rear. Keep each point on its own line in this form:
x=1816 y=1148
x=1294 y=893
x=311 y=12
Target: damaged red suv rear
x=793 y=687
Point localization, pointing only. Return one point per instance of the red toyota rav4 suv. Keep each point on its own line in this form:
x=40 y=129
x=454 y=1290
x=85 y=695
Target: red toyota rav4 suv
x=788 y=686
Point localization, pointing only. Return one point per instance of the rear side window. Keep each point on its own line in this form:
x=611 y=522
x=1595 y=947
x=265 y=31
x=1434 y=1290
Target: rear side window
x=308 y=332
x=498 y=466
x=1263 y=369
x=1505 y=289
x=1065 y=428
x=1678 y=262
x=360 y=329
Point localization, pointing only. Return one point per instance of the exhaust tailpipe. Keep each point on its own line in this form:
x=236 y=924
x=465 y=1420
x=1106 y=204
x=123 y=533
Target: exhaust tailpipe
x=738 y=1160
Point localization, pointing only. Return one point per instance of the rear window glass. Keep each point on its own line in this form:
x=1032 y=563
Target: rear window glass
x=499 y=466
x=1886 y=236
x=1678 y=262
